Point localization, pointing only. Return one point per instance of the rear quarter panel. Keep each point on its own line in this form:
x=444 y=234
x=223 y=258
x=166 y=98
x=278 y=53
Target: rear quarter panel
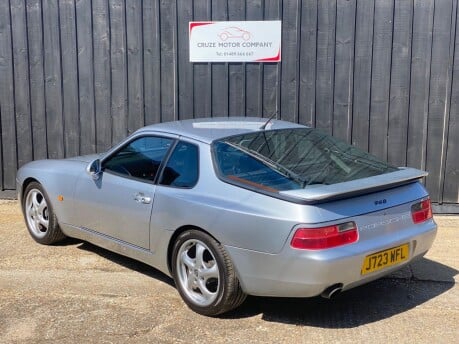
x=244 y=219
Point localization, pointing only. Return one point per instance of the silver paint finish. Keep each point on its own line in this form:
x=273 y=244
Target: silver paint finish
x=296 y=273
x=324 y=192
x=110 y=206
x=209 y=129
x=138 y=219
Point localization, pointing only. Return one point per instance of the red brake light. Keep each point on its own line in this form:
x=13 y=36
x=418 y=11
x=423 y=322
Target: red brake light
x=325 y=237
x=421 y=211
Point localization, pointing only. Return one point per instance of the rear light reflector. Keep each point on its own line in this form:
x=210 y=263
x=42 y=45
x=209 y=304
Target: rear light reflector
x=325 y=237
x=421 y=211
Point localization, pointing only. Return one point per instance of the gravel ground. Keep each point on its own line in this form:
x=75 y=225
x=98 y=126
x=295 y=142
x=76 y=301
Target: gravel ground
x=76 y=292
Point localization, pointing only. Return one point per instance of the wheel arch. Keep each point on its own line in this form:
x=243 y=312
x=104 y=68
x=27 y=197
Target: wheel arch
x=174 y=237
x=24 y=185
x=49 y=189
x=231 y=293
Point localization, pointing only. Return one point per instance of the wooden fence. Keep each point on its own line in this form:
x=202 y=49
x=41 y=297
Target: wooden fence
x=77 y=76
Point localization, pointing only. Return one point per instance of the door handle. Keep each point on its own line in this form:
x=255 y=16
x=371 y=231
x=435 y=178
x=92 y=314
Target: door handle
x=141 y=198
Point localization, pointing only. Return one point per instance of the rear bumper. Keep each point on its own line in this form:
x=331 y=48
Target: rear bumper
x=302 y=273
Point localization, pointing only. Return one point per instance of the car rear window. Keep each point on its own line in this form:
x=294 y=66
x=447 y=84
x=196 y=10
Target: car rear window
x=287 y=159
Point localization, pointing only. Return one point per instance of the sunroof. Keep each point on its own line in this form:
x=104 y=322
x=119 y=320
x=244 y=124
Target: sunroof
x=230 y=125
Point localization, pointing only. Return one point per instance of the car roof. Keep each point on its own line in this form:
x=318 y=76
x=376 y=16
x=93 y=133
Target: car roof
x=210 y=129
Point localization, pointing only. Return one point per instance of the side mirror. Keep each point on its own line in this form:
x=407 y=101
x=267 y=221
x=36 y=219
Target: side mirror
x=94 y=169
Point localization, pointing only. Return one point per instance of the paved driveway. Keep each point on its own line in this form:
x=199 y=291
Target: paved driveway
x=78 y=293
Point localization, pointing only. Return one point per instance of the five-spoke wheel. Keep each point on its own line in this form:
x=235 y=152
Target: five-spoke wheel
x=198 y=272
x=36 y=211
x=40 y=219
x=204 y=274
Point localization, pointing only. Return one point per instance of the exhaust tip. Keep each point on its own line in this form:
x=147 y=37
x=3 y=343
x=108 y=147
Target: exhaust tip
x=332 y=291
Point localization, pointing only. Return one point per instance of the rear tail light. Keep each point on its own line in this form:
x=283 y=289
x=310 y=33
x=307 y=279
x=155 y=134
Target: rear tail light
x=421 y=211
x=325 y=237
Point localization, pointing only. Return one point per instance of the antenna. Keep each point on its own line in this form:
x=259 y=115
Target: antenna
x=263 y=127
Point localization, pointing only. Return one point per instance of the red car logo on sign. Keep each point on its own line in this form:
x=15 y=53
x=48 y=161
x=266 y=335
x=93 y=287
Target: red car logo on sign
x=234 y=32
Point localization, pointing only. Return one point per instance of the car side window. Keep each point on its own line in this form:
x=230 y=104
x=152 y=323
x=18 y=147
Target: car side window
x=141 y=158
x=182 y=167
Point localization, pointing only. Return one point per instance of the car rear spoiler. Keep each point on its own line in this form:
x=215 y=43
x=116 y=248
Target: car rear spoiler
x=325 y=193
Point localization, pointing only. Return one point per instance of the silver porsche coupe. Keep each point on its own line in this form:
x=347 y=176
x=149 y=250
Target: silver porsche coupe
x=231 y=207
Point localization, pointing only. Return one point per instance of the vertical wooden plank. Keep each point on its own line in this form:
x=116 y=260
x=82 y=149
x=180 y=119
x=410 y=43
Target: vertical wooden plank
x=69 y=77
x=8 y=123
x=220 y=70
x=237 y=92
x=439 y=97
x=344 y=69
x=363 y=56
x=400 y=83
x=135 y=65
x=53 y=79
x=307 y=72
x=289 y=76
x=254 y=71
x=380 y=81
x=446 y=119
x=421 y=49
x=118 y=90
x=326 y=29
x=37 y=83
x=21 y=81
x=152 y=62
x=168 y=15
x=185 y=67
x=1 y=151
x=86 y=77
x=271 y=71
x=102 y=78
x=202 y=81
x=451 y=172
x=202 y=98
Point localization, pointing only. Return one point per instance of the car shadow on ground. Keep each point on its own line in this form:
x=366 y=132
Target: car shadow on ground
x=124 y=261
x=369 y=303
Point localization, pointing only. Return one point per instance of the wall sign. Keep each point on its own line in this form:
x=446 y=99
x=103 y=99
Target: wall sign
x=235 y=41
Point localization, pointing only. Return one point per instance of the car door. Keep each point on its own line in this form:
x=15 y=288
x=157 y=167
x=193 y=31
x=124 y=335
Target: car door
x=118 y=204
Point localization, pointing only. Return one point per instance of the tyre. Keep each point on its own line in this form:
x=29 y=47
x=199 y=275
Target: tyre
x=39 y=216
x=204 y=274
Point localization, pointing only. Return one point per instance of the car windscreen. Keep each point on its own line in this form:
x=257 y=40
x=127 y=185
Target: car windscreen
x=287 y=159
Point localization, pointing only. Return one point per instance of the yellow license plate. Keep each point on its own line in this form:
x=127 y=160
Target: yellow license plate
x=386 y=258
